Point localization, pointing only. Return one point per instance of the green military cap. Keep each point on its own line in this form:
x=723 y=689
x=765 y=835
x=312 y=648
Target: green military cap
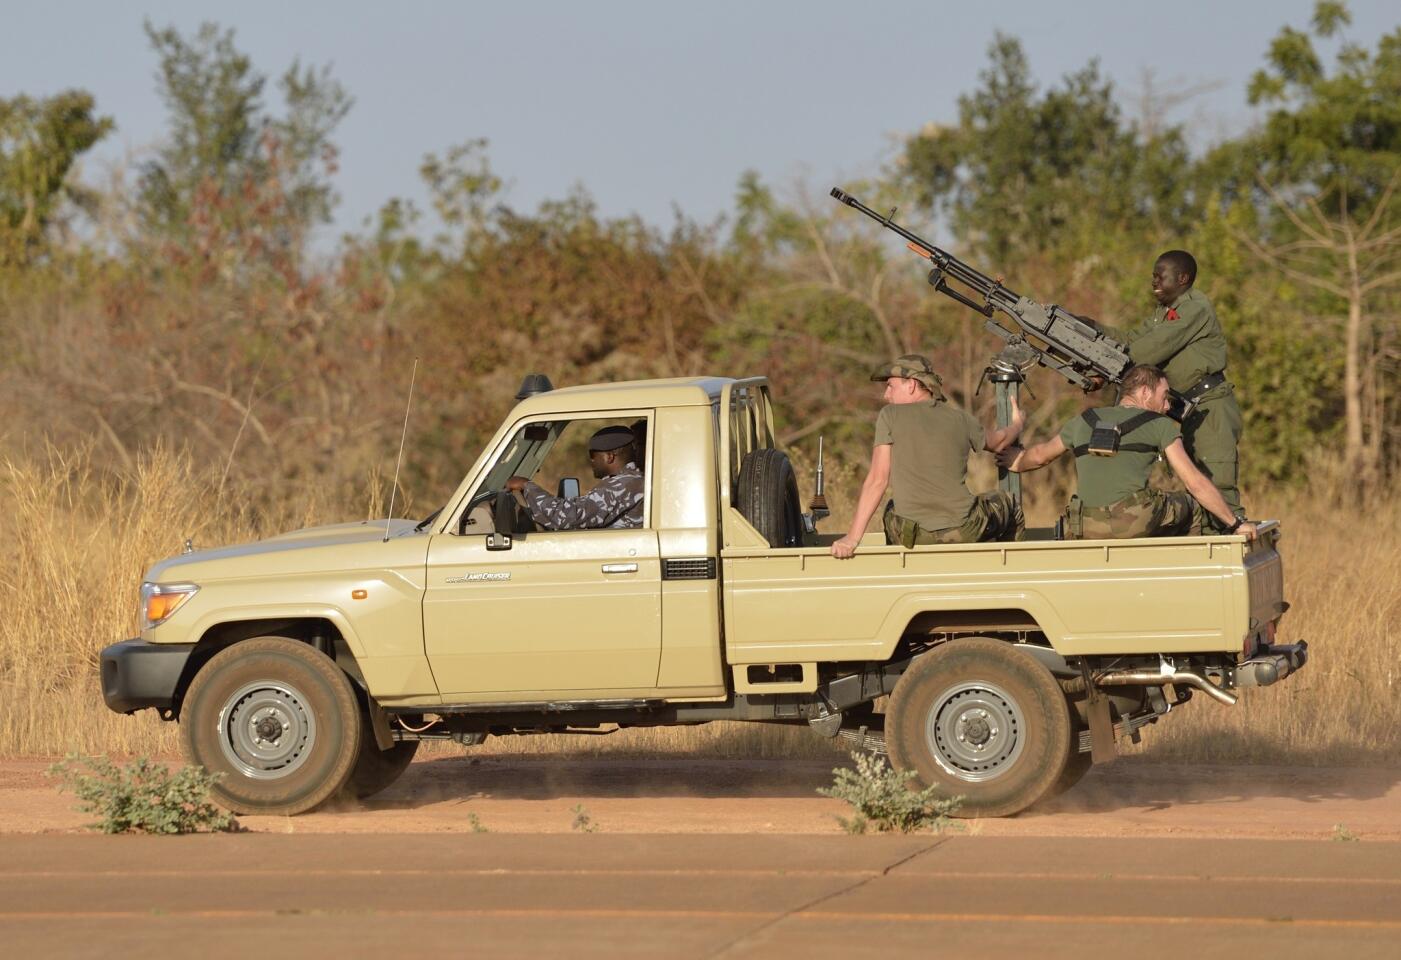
x=913 y=367
x=610 y=438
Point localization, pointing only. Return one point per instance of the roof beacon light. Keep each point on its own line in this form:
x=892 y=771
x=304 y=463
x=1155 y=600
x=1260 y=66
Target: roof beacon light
x=532 y=384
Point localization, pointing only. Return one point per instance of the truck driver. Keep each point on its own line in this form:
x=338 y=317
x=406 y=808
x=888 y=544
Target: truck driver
x=615 y=501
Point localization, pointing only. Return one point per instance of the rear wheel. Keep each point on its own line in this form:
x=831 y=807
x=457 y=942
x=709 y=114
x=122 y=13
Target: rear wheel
x=981 y=720
x=278 y=720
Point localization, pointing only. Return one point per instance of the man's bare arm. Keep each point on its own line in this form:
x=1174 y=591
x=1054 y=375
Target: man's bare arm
x=872 y=490
x=1201 y=487
x=1003 y=437
x=1032 y=458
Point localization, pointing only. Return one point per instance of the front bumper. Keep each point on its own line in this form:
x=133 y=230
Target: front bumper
x=137 y=675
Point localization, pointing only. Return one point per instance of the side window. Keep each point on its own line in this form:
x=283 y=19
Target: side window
x=571 y=486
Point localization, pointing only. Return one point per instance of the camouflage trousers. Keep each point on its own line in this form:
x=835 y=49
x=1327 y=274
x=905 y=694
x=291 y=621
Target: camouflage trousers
x=1148 y=513
x=993 y=516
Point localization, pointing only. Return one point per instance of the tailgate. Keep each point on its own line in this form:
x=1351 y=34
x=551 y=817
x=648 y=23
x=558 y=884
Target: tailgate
x=1264 y=573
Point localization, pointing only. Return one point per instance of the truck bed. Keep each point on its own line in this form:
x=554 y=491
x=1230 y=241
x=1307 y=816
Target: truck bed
x=1088 y=597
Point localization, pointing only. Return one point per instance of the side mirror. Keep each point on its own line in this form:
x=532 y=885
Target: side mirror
x=503 y=517
x=569 y=488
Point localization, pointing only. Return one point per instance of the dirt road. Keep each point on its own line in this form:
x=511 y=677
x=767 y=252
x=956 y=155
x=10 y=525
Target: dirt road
x=1128 y=798
x=684 y=895
x=708 y=858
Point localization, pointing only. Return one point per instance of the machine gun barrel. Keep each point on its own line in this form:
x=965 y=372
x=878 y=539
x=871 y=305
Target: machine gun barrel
x=942 y=260
x=1057 y=338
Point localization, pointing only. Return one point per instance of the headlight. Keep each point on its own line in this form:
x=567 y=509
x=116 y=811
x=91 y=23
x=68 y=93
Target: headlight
x=160 y=600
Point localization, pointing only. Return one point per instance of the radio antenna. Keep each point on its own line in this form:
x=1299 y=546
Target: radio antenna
x=402 y=436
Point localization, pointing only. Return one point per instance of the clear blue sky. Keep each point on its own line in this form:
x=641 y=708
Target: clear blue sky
x=650 y=104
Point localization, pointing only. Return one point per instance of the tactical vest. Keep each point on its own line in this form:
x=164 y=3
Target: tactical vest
x=1105 y=440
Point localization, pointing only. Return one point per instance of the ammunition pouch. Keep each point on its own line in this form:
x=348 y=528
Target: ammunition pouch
x=1104 y=440
x=898 y=529
x=909 y=532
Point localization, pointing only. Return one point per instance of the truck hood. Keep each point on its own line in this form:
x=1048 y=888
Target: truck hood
x=280 y=552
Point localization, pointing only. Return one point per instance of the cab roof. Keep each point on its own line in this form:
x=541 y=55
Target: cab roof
x=629 y=394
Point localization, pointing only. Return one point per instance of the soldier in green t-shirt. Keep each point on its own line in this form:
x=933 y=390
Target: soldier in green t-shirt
x=1184 y=338
x=1115 y=449
x=921 y=453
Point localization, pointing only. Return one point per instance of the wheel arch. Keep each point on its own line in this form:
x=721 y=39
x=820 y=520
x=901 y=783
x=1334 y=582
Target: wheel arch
x=323 y=632
x=919 y=621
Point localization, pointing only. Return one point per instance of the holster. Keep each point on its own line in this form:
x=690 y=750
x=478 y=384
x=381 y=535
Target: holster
x=1073 y=520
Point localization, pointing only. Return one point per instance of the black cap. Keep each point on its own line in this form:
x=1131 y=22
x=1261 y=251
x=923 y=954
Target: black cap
x=610 y=438
x=532 y=384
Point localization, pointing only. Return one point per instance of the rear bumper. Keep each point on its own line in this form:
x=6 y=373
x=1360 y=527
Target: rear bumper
x=1271 y=664
x=137 y=675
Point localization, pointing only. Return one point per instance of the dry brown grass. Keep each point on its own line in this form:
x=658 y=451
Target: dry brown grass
x=81 y=541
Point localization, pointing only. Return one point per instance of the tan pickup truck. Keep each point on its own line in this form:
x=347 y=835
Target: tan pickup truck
x=313 y=663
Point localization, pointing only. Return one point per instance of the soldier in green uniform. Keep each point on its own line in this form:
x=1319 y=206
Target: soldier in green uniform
x=1184 y=338
x=921 y=453
x=1115 y=449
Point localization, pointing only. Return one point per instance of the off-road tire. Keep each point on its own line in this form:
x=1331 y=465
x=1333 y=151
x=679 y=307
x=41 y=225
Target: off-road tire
x=245 y=693
x=1076 y=766
x=767 y=496
x=981 y=688
x=375 y=769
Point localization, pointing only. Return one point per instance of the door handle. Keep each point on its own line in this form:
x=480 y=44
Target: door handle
x=620 y=568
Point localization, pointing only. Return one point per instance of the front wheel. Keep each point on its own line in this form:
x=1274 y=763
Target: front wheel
x=375 y=769
x=278 y=720
x=980 y=720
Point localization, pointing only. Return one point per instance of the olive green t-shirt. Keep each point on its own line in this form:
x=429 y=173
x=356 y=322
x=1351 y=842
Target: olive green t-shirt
x=930 y=443
x=1107 y=480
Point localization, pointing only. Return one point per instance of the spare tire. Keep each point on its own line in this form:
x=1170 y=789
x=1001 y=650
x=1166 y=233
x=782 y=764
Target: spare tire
x=767 y=496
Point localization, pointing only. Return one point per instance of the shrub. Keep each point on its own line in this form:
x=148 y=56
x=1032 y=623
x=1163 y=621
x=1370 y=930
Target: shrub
x=143 y=796
x=882 y=798
x=582 y=821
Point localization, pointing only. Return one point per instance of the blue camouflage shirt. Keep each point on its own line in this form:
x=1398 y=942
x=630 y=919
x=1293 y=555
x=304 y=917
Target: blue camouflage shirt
x=614 y=502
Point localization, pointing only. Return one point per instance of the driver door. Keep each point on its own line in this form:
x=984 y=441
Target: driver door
x=570 y=613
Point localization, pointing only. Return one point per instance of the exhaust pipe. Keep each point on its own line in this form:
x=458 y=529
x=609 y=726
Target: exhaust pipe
x=1154 y=678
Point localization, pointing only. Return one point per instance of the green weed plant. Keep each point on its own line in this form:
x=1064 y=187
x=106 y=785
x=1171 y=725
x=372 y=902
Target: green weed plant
x=884 y=801
x=143 y=796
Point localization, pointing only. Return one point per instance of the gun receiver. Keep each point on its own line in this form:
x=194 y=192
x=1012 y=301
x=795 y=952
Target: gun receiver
x=1059 y=339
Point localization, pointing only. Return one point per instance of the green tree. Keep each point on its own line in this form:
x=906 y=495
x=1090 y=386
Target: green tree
x=1280 y=360
x=224 y=144
x=1325 y=169
x=40 y=139
x=1024 y=171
